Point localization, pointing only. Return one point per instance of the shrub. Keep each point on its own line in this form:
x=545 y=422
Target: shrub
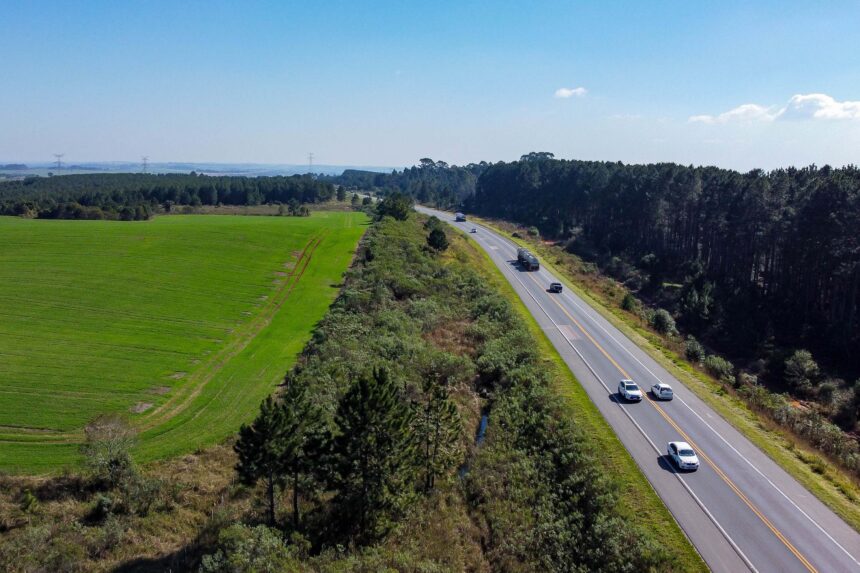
x=628 y=303
x=437 y=240
x=533 y=232
x=432 y=223
x=395 y=205
x=693 y=350
x=745 y=379
x=243 y=549
x=107 y=448
x=109 y=536
x=141 y=494
x=801 y=372
x=103 y=505
x=663 y=322
x=719 y=368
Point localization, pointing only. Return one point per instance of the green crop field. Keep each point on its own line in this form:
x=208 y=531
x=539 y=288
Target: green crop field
x=182 y=323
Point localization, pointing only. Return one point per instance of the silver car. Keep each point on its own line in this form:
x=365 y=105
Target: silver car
x=662 y=391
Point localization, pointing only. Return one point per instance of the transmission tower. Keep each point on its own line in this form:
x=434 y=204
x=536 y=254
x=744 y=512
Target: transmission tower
x=310 y=162
x=145 y=161
x=59 y=157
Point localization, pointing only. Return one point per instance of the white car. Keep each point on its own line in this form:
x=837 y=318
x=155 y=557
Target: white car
x=662 y=391
x=628 y=390
x=683 y=456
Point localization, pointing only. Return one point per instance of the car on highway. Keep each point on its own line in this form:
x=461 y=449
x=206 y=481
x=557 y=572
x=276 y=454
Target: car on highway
x=662 y=391
x=683 y=456
x=628 y=390
x=555 y=287
x=474 y=230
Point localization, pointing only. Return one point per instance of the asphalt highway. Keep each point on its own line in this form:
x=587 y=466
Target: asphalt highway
x=741 y=511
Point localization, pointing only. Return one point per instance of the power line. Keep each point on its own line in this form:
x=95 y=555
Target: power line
x=59 y=157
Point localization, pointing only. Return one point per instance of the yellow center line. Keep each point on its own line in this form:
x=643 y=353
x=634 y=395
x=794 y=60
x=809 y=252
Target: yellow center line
x=710 y=462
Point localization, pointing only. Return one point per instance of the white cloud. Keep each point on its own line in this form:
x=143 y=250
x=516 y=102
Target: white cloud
x=800 y=106
x=819 y=106
x=565 y=93
x=747 y=112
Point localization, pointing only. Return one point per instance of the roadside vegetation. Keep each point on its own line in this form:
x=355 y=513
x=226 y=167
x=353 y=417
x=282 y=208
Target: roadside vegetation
x=181 y=324
x=420 y=430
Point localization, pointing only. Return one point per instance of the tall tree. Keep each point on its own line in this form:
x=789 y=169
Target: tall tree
x=303 y=440
x=437 y=427
x=374 y=455
x=261 y=449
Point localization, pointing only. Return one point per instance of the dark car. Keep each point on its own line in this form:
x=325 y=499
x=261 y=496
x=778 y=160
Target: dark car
x=555 y=287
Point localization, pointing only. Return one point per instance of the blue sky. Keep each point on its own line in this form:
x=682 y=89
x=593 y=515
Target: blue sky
x=385 y=83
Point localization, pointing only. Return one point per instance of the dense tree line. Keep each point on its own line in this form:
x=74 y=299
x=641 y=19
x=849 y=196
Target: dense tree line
x=764 y=260
x=135 y=196
x=431 y=182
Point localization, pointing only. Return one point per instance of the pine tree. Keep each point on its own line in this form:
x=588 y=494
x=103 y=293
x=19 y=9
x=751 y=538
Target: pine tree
x=302 y=441
x=437 y=427
x=374 y=455
x=261 y=451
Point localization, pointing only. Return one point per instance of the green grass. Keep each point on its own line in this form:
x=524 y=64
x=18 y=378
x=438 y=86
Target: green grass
x=192 y=319
x=825 y=479
x=646 y=509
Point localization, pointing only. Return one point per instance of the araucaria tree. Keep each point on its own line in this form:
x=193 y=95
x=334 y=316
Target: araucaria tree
x=374 y=456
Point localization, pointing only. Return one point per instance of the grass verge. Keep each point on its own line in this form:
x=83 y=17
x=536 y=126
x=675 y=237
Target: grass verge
x=824 y=479
x=647 y=510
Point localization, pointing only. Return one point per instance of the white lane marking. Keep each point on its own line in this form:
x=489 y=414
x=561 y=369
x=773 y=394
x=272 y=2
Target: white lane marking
x=638 y=427
x=716 y=433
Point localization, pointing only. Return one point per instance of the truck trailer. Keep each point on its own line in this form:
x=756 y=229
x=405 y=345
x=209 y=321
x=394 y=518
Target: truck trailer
x=527 y=260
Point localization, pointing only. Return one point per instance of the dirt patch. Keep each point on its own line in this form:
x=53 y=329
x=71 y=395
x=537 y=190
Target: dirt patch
x=451 y=337
x=160 y=390
x=140 y=407
x=281 y=274
x=178 y=375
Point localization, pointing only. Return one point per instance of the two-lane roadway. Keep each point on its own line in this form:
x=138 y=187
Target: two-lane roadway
x=741 y=511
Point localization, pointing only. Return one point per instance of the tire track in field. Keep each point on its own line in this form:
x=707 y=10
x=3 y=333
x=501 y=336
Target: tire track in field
x=277 y=307
x=164 y=413
x=198 y=380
